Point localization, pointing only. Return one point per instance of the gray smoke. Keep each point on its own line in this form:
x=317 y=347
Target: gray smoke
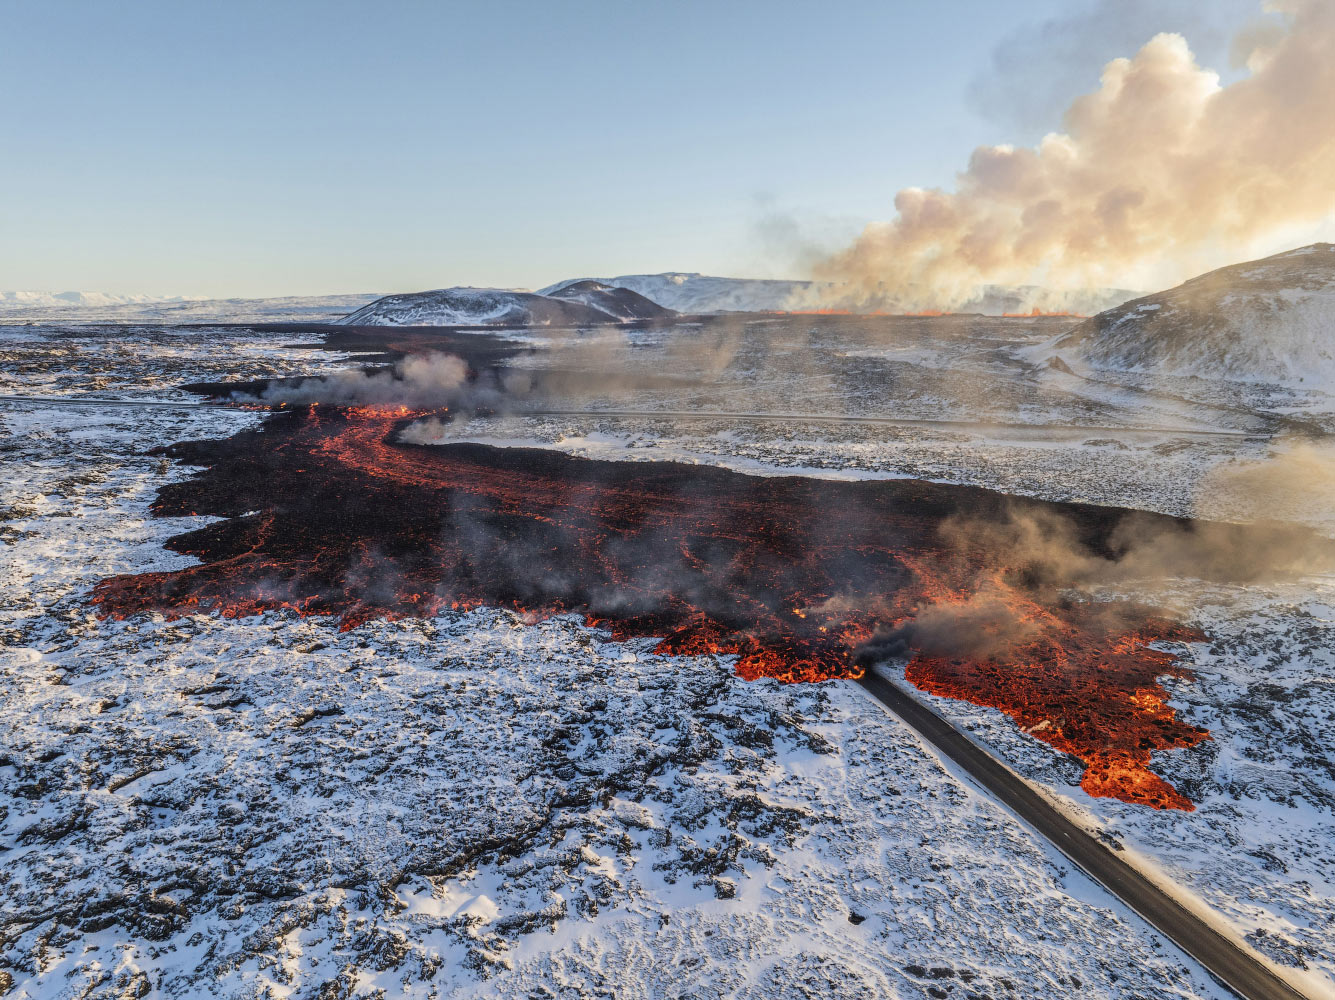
x=421 y=381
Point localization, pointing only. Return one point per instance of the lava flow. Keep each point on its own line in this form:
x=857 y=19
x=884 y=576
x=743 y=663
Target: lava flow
x=801 y=579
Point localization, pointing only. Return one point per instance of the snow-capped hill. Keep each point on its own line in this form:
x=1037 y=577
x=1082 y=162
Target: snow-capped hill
x=475 y=307
x=701 y=293
x=1265 y=320
x=619 y=303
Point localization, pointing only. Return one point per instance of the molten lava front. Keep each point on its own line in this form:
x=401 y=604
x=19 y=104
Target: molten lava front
x=325 y=514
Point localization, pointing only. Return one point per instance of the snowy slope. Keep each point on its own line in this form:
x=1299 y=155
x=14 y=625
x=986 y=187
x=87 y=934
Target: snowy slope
x=1265 y=320
x=486 y=306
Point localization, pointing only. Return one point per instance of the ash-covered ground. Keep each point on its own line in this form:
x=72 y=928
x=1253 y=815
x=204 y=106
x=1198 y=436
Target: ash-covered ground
x=476 y=805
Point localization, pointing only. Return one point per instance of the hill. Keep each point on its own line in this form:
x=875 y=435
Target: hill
x=580 y=304
x=701 y=293
x=1267 y=320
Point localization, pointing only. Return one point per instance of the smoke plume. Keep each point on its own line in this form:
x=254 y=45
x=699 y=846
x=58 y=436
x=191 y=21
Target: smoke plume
x=1295 y=481
x=419 y=381
x=1034 y=556
x=984 y=625
x=1156 y=174
x=1040 y=549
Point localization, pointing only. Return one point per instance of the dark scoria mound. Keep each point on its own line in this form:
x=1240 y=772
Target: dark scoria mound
x=585 y=304
x=325 y=514
x=619 y=303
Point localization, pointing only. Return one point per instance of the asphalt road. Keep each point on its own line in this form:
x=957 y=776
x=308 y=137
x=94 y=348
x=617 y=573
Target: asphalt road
x=1232 y=965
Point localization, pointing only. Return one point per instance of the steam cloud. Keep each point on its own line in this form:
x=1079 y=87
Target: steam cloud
x=425 y=381
x=1296 y=482
x=1156 y=172
x=1038 y=553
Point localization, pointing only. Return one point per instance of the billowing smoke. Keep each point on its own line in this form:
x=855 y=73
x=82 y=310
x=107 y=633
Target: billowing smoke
x=419 y=381
x=1032 y=556
x=1041 y=549
x=1158 y=175
x=1295 y=481
x=983 y=625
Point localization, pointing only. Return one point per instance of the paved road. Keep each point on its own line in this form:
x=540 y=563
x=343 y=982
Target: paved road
x=1231 y=964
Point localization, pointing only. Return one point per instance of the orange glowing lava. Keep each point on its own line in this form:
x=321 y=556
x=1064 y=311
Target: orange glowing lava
x=324 y=513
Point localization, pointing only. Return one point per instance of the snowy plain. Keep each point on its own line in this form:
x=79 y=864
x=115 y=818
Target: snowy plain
x=475 y=805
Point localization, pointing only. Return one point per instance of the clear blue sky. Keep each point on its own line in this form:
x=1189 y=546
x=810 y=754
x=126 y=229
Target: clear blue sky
x=266 y=148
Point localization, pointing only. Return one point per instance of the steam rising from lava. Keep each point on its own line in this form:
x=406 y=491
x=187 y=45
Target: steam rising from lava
x=1155 y=174
x=433 y=380
x=1043 y=548
x=327 y=511
x=1296 y=481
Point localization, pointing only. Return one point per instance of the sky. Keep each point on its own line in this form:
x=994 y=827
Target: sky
x=259 y=148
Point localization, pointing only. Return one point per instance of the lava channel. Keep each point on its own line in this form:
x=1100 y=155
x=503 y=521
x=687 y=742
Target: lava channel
x=325 y=513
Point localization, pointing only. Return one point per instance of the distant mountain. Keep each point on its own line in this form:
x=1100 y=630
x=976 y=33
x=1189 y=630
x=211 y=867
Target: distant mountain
x=78 y=300
x=700 y=293
x=621 y=303
x=577 y=304
x=1265 y=320
x=99 y=307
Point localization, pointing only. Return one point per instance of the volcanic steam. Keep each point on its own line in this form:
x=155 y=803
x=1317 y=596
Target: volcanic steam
x=1155 y=174
x=328 y=512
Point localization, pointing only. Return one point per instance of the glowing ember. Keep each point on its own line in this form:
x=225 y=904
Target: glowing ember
x=325 y=514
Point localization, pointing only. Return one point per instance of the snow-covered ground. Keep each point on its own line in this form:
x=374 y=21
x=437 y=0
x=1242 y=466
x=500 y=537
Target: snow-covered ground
x=97 y=307
x=473 y=805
